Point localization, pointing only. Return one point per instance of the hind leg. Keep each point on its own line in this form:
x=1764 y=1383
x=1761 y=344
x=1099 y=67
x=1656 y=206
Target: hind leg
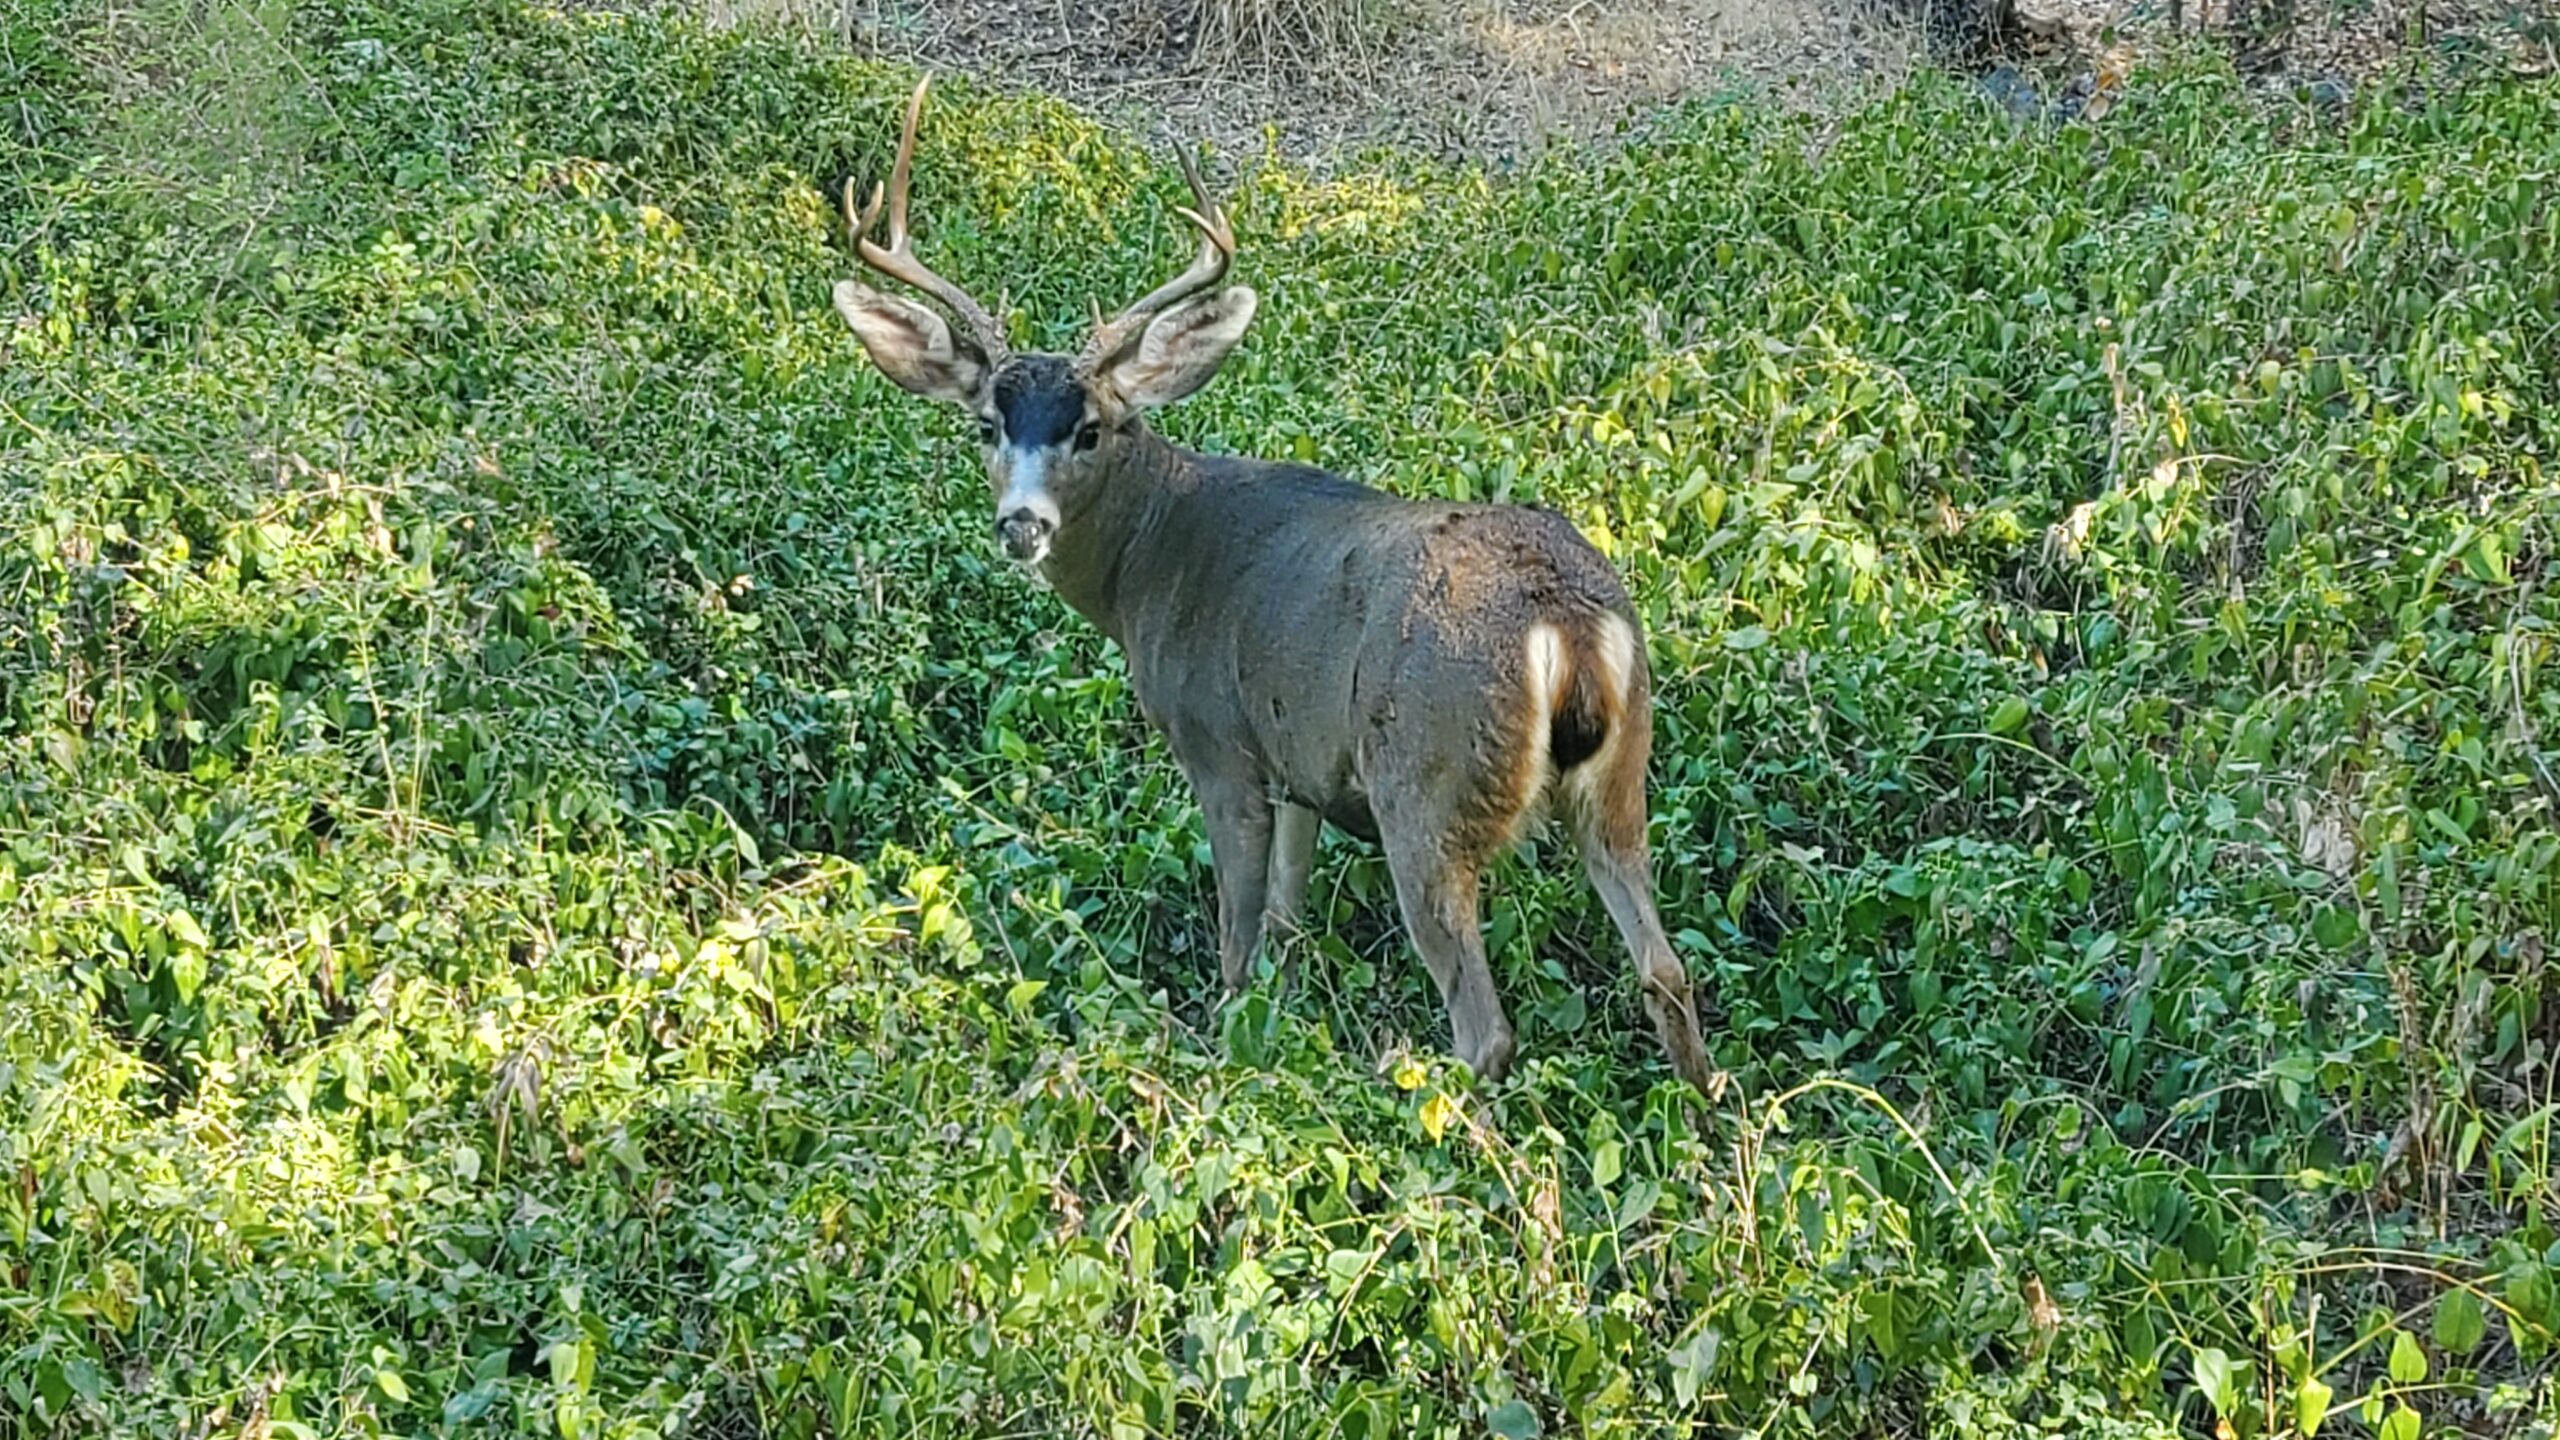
x=1609 y=821
x=1438 y=895
x=1626 y=887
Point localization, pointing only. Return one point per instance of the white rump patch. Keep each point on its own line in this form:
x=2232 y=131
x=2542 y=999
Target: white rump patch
x=1548 y=666
x=1547 y=669
x=1617 y=657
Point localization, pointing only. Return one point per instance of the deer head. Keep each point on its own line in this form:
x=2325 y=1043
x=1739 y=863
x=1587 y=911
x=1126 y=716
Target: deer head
x=1052 y=425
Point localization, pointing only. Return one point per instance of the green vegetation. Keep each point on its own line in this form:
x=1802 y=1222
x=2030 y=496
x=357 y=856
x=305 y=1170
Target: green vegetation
x=552 y=883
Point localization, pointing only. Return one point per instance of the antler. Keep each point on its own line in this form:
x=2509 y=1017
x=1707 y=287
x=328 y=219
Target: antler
x=899 y=261
x=1217 y=247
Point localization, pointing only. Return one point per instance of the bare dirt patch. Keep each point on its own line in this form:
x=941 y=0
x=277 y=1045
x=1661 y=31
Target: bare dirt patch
x=1488 y=80
x=1495 y=80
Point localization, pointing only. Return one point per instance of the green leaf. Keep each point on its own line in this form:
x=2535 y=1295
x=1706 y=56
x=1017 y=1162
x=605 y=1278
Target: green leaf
x=2528 y=1288
x=1513 y=1420
x=1349 y=1265
x=2486 y=559
x=2408 y=1362
x=2213 y=1377
x=184 y=928
x=1607 y=1162
x=186 y=974
x=2447 y=826
x=2310 y=1405
x=2011 y=714
x=391 y=1385
x=1571 y=1013
x=1693 y=1364
x=2402 y=1425
x=1749 y=637
x=1882 y=1332
x=1813 y=1219
x=1711 y=501
x=2460 y=1324
x=2141 y=1337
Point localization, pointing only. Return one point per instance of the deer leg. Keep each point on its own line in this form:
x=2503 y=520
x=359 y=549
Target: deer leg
x=1438 y=898
x=1293 y=858
x=1238 y=819
x=1622 y=873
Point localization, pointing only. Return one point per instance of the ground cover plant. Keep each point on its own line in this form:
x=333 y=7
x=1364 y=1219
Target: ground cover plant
x=552 y=883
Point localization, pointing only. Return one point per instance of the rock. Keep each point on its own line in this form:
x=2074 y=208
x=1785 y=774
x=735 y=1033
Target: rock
x=2045 y=17
x=2075 y=96
x=2014 y=93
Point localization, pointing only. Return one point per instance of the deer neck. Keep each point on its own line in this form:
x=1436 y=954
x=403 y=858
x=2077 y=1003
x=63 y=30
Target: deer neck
x=1101 y=547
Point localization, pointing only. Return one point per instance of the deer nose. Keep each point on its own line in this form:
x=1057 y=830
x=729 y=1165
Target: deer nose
x=1025 y=534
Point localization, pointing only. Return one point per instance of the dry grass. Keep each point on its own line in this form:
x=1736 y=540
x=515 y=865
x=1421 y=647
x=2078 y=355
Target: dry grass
x=1302 y=40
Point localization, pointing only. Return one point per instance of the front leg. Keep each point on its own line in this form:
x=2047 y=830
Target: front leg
x=1293 y=858
x=1237 y=815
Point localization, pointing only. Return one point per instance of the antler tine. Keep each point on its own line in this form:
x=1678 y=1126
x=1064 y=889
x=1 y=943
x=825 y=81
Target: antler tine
x=899 y=261
x=1217 y=248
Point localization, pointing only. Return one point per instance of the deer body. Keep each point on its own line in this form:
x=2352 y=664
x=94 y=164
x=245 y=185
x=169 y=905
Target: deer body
x=1429 y=676
x=1276 y=612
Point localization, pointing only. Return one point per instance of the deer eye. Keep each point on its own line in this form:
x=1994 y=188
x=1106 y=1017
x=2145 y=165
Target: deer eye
x=1089 y=436
x=986 y=432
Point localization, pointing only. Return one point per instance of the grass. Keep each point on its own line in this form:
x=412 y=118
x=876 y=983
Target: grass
x=552 y=883
x=1299 y=41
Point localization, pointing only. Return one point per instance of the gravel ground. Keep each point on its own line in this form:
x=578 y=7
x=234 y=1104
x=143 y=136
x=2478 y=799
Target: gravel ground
x=1494 y=80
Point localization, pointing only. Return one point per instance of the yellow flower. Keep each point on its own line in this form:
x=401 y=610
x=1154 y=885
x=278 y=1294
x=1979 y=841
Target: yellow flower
x=1437 y=1112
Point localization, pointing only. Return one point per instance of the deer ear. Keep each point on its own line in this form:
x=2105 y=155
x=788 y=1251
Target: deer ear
x=911 y=345
x=1182 y=349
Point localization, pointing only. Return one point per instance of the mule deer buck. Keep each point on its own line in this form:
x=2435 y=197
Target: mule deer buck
x=1429 y=676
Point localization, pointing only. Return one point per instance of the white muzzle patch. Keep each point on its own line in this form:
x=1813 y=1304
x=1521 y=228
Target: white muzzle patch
x=1026 y=513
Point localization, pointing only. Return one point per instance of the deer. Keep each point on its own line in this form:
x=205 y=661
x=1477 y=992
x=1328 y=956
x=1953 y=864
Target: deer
x=1435 y=678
